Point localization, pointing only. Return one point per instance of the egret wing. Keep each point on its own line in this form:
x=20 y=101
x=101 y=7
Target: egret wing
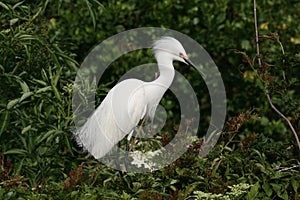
x=117 y=115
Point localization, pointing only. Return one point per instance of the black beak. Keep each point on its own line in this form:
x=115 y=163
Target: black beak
x=188 y=61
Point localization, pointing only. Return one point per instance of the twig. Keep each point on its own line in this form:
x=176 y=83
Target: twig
x=288 y=168
x=266 y=90
x=256 y=34
x=284 y=117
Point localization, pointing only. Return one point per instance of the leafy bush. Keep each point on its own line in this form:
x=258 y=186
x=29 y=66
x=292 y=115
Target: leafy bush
x=42 y=44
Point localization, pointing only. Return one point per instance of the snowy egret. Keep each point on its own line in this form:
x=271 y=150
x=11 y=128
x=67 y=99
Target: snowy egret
x=130 y=101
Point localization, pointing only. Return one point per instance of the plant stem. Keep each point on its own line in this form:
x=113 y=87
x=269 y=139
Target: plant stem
x=266 y=90
x=256 y=34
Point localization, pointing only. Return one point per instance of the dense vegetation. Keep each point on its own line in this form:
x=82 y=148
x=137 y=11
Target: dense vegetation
x=42 y=44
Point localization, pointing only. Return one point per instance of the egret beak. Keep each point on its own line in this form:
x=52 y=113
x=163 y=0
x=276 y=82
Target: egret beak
x=189 y=62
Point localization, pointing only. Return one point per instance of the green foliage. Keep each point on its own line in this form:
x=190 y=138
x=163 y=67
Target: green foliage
x=35 y=94
x=41 y=46
x=237 y=192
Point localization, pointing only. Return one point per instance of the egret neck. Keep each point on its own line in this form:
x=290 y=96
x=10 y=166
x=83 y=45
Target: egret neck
x=166 y=69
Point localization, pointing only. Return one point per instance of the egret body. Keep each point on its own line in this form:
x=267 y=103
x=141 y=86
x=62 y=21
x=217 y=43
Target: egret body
x=130 y=101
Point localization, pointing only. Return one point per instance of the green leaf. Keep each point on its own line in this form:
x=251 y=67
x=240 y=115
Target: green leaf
x=56 y=93
x=276 y=187
x=4 y=121
x=25 y=95
x=4 y=6
x=44 y=75
x=12 y=103
x=279 y=189
x=45 y=89
x=284 y=195
x=49 y=134
x=27 y=128
x=17 y=4
x=24 y=86
x=13 y=21
x=67 y=58
x=253 y=191
x=67 y=139
x=267 y=188
x=16 y=151
x=91 y=12
x=19 y=166
x=56 y=77
x=43 y=83
x=27 y=37
x=173 y=181
x=36 y=14
x=173 y=187
x=125 y=195
x=295 y=185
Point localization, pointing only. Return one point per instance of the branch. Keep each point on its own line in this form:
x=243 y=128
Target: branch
x=284 y=117
x=256 y=35
x=266 y=90
x=288 y=168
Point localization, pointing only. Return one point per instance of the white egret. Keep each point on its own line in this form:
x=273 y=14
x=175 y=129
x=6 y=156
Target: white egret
x=130 y=101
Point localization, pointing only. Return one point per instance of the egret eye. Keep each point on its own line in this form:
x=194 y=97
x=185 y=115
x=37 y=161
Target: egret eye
x=181 y=55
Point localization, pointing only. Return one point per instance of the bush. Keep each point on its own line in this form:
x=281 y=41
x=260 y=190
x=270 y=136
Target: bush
x=42 y=44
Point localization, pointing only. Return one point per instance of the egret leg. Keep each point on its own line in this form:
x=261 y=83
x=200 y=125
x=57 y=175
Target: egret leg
x=127 y=150
x=118 y=157
x=138 y=132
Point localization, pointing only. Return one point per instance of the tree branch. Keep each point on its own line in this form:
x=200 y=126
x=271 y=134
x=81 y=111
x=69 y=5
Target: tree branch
x=284 y=117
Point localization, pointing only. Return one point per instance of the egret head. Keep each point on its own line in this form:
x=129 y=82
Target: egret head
x=172 y=48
